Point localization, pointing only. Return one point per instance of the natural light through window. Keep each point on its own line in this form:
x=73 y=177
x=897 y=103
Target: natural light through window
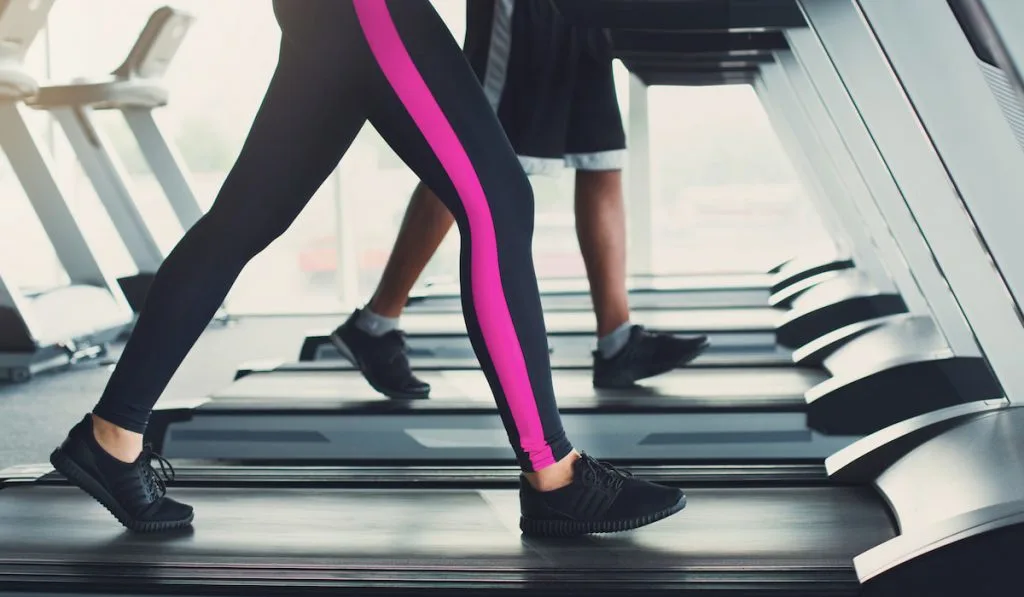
x=724 y=195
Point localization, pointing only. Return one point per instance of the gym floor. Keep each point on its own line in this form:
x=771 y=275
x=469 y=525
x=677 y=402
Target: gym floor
x=35 y=416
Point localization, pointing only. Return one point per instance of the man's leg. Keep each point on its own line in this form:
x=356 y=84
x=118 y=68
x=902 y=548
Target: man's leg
x=601 y=230
x=626 y=353
x=595 y=147
x=426 y=223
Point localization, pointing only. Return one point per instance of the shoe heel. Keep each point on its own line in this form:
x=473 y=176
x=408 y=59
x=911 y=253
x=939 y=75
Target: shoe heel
x=78 y=477
x=346 y=352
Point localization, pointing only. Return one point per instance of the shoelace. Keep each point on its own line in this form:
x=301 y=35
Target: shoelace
x=396 y=351
x=395 y=341
x=603 y=474
x=156 y=482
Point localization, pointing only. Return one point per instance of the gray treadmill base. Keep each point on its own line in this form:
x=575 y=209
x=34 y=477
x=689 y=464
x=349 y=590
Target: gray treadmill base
x=299 y=539
x=691 y=437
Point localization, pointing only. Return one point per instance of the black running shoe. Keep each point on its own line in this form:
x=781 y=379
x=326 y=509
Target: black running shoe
x=133 y=492
x=381 y=359
x=600 y=499
x=645 y=355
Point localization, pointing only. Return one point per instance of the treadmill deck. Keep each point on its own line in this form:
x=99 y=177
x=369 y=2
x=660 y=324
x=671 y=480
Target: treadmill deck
x=687 y=416
x=732 y=388
x=246 y=537
x=759 y=319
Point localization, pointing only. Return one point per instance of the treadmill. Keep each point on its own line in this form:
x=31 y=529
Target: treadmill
x=688 y=415
x=747 y=337
x=872 y=375
x=331 y=414
x=799 y=314
x=262 y=532
x=266 y=531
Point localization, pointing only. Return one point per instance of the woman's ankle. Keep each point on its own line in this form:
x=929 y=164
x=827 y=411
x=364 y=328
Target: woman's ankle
x=120 y=443
x=555 y=476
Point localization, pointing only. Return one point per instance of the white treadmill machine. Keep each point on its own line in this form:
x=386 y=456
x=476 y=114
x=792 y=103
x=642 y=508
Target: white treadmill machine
x=135 y=89
x=691 y=415
x=881 y=373
x=58 y=326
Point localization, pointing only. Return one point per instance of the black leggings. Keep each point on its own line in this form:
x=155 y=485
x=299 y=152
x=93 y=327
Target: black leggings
x=342 y=63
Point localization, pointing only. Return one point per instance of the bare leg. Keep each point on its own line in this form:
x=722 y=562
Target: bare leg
x=601 y=230
x=424 y=227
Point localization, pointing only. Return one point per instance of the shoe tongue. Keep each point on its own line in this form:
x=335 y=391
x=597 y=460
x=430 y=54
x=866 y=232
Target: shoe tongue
x=392 y=339
x=584 y=462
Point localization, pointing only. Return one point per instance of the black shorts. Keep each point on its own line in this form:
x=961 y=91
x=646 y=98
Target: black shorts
x=551 y=84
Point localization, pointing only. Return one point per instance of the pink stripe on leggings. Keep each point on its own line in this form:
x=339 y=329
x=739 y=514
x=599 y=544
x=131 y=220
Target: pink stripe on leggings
x=488 y=295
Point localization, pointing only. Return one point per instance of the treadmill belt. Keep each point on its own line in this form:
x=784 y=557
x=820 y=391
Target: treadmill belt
x=700 y=415
x=420 y=539
x=568 y=351
x=421 y=360
x=694 y=321
x=734 y=388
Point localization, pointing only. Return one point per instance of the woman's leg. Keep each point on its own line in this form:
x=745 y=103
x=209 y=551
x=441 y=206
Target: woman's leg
x=305 y=124
x=491 y=200
x=430 y=108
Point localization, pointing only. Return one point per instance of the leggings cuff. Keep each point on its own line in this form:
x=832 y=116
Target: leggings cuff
x=560 y=448
x=123 y=421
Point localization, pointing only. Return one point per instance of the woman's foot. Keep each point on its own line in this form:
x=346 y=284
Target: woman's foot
x=134 y=492
x=599 y=498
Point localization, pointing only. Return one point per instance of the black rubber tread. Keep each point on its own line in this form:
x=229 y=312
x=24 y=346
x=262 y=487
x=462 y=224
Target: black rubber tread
x=574 y=528
x=84 y=481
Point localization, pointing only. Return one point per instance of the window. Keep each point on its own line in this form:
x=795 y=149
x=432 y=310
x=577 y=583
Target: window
x=724 y=194
x=726 y=197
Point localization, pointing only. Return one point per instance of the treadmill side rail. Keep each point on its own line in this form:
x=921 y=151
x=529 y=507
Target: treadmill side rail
x=896 y=391
x=956 y=498
x=814 y=353
x=866 y=459
x=929 y=555
x=894 y=371
x=801 y=269
x=783 y=299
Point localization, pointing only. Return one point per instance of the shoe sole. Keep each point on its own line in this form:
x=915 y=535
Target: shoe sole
x=84 y=481
x=350 y=356
x=575 y=528
x=684 y=360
